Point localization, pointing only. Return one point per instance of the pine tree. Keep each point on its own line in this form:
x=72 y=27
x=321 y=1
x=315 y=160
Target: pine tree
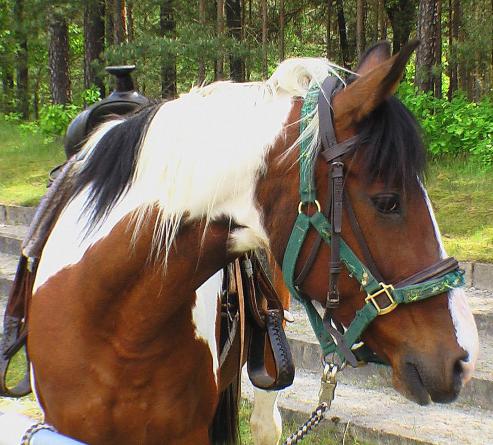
x=58 y=57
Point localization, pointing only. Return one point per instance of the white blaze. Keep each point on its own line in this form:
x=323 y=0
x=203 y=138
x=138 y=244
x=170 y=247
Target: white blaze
x=466 y=331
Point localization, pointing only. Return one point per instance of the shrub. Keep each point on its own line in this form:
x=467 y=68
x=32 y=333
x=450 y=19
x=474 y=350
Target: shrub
x=455 y=127
x=54 y=118
x=91 y=95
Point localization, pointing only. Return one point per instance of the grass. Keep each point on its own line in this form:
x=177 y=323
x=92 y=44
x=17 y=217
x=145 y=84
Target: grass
x=462 y=195
x=25 y=405
x=321 y=435
x=25 y=160
x=462 y=192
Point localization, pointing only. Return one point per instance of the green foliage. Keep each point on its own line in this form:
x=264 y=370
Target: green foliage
x=54 y=118
x=13 y=117
x=91 y=95
x=458 y=127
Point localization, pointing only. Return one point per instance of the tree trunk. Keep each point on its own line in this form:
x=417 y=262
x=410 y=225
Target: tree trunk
x=360 y=27
x=341 y=21
x=58 y=59
x=219 y=74
x=109 y=22
x=8 y=88
x=265 y=67
x=376 y=21
x=428 y=55
x=167 y=26
x=93 y=44
x=202 y=21
x=119 y=22
x=22 y=74
x=328 y=30
x=38 y=75
x=233 y=21
x=454 y=23
x=282 y=50
x=402 y=14
x=130 y=20
x=382 y=20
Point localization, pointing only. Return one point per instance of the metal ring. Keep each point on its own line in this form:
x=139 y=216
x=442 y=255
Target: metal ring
x=300 y=205
x=332 y=359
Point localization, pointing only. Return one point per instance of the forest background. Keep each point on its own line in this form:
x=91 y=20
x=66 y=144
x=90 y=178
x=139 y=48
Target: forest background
x=53 y=54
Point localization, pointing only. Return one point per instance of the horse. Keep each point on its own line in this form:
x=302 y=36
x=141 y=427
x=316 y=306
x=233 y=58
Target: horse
x=124 y=349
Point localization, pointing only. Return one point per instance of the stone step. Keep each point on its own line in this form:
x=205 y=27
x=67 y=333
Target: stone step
x=478 y=393
x=383 y=416
x=8 y=266
x=16 y=215
x=11 y=237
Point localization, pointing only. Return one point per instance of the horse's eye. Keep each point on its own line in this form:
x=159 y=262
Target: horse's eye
x=387 y=203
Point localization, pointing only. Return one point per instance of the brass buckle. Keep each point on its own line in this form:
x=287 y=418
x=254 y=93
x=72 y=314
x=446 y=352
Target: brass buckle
x=386 y=289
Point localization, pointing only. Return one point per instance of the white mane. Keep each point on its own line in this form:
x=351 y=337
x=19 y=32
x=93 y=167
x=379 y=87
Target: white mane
x=202 y=153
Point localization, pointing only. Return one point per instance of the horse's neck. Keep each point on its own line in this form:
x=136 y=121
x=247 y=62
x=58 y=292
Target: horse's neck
x=130 y=283
x=277 y=190
x=162 y=292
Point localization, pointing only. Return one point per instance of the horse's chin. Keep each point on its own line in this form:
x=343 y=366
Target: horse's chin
x=415 y=383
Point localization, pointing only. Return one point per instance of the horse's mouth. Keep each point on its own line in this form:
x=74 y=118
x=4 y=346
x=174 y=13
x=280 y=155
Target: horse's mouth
x=415 y=385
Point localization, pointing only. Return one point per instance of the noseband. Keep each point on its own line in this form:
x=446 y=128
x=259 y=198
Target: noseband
x=381 y=298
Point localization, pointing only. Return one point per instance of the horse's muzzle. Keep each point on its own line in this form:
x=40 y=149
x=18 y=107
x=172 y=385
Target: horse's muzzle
x=433 y=381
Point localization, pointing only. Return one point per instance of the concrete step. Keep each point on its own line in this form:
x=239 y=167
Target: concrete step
x=478 y=393
x=8 y=266
x=383 y=416
x=11 y=237
x=16 y=215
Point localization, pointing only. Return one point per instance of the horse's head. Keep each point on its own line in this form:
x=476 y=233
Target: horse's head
x=388 y=222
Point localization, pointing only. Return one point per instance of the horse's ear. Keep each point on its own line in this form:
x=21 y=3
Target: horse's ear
x=379 y=79
x=373 y=56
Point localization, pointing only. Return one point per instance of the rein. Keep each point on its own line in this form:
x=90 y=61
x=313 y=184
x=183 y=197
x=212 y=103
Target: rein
x=381 y=298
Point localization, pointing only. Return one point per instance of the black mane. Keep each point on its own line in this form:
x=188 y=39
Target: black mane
x=393 y=150
x=111 y=164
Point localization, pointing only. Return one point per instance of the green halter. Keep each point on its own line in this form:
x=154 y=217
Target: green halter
x=376 y=291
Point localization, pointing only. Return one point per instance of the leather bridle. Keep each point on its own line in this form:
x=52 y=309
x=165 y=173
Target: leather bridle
x=381 y=298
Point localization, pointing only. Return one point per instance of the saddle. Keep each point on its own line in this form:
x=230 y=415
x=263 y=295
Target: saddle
x=249 y=302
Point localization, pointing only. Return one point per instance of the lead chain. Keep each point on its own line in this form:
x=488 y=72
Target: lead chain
x=328 y=384
x=303 y=431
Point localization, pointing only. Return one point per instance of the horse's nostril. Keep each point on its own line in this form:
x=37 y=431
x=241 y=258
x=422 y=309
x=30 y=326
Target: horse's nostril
x=461 y=371
x=458 y=369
